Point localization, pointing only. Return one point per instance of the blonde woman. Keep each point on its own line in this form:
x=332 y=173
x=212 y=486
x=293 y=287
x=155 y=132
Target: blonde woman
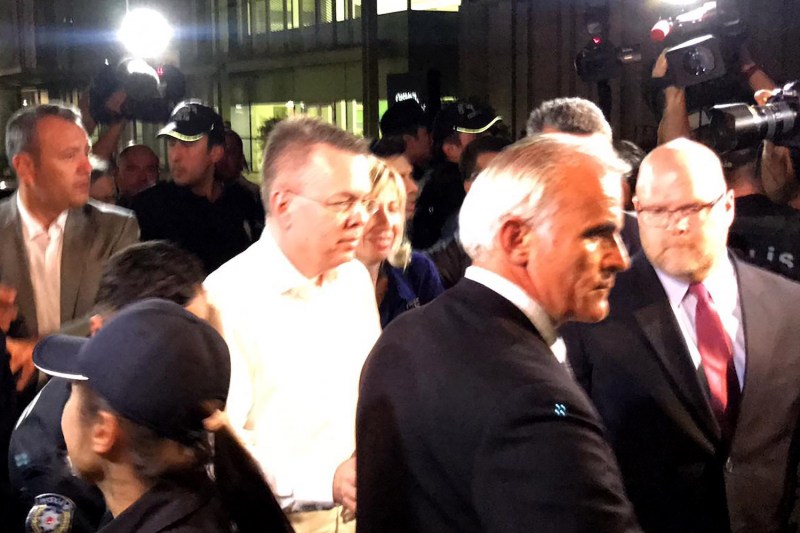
x=403 y=279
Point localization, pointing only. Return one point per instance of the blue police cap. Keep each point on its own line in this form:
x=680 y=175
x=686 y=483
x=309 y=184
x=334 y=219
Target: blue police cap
x=155 y=363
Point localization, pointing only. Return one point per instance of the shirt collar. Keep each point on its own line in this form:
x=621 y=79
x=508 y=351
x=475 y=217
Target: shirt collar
x=283 y=274
x=514 y=294
x=32 y=227
x=718 y=283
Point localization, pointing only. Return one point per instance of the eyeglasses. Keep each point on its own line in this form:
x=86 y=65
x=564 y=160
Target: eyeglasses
x=661 y=218
x=344 y=207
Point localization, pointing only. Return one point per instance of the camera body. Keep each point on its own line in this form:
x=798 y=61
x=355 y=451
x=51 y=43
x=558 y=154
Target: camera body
x=702 y=44
x=737 y=126
x=150 y=94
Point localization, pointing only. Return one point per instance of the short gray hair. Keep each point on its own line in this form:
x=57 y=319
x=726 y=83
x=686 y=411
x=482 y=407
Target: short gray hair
x=523 y=182
x=289 y=145
x=569 y=115
x=21 y=127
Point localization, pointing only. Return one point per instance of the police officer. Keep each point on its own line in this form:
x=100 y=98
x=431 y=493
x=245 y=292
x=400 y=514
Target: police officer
x=37 y=457
x=146 y=395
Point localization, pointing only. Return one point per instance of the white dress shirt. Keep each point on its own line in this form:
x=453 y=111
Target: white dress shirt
x=723 y=286
x=514 y=294
x=44 y=247
x=297 y=348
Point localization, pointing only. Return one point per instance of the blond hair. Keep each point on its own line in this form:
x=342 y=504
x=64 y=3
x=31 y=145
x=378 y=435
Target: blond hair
x=385 y=180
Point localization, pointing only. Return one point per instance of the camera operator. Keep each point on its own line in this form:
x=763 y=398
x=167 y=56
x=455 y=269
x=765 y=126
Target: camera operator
x=675 y=117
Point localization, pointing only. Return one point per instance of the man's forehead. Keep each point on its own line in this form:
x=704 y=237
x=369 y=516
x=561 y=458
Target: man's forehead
x=54 y=127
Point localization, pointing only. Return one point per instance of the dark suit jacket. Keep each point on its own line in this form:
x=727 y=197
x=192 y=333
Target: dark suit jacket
x=679 y=472
x=466 y=422
x=92 y=234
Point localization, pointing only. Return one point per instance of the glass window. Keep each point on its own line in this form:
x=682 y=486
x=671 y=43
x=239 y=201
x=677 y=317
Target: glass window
x=435 y=5
x=292 y=14
x=341 y=10
x=307 y=13
x=391 y=6
x=276 y=15
x=325 y=11
x=258 y=16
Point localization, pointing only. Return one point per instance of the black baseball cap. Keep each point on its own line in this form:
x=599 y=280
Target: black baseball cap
x=155 y=364
x=191 y=119
x=403 y=118
x=463 y=117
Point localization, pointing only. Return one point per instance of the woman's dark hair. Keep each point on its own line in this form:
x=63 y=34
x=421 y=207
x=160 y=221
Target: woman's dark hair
x=246 y=497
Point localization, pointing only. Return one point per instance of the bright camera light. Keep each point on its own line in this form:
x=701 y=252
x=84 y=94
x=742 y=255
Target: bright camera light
x=681 y=2
x=145 y=32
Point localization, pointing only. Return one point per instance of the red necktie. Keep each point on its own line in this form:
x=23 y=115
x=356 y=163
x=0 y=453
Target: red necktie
x=715 y=348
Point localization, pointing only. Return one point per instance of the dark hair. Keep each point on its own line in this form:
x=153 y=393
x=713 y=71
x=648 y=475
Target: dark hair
x=569 y=115
x=21 y=127
x=245 y=495
x=403 y=118
x=481 y=145
x=237 y=139
x=153 y=269
x=630 y=152
x=388 y=146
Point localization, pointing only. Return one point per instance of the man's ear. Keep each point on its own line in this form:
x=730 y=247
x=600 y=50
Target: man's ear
x=515 y=239
x=24 y=166
x=106 y=433
x=95 y=323
x=217 y=152
x=451 y=151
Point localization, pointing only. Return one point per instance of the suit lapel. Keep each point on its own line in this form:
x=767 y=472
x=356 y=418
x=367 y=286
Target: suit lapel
x=658 y=323
x=14 y=269
x=77 y=231
x=759 y=337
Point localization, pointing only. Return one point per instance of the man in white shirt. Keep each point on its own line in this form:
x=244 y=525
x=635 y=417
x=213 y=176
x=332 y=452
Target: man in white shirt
x=695 y=371
x=299 y=315
x=467 y=421
x=54 y=240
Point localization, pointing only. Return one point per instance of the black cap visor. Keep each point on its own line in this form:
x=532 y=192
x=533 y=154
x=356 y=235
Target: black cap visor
x=59 y=356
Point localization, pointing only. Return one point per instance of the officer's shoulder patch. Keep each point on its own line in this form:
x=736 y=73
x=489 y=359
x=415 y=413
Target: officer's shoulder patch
x=51 y=513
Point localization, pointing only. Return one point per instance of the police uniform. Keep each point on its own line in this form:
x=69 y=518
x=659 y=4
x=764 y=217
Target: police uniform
x=39 y=472
x=186 y=504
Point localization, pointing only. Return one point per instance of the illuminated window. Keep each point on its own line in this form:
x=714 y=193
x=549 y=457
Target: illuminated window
x=276 y=14
x=308 y=13
x=391 y=6
x=325 y=11
x=435 y=5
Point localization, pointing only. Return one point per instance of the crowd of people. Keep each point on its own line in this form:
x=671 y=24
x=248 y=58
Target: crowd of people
x=440 y=330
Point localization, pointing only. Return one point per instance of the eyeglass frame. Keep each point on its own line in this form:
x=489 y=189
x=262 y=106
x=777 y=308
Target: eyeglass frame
x=344 y=207
x=686 y=212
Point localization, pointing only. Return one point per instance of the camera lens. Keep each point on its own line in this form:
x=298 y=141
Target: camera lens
x=698 y=60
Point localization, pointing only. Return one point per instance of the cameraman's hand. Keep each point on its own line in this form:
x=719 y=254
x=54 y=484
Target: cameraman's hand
x=115 y=101
x=86 y=115
x=753 y=74
x=661 y=66
x=675 y=119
